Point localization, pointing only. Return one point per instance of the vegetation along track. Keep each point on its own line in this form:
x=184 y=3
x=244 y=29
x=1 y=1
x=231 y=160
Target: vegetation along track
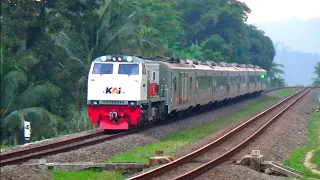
x=211 y=155
x=66 y=145
x=56 y=147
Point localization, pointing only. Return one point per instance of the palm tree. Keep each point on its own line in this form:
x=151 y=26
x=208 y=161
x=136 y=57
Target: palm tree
x=275 y=70
x=21 y=99
x=273 y=75
x=118 y=29
x=149 y=44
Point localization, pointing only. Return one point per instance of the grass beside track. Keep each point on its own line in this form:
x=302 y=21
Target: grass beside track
x=296 y=158
x=178 y=140
x=173 y=142
x=316 y=157
x=86 y=175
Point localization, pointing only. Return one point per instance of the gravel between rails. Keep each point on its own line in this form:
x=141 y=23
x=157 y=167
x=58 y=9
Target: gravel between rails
x=282 y=137
x=100 y=152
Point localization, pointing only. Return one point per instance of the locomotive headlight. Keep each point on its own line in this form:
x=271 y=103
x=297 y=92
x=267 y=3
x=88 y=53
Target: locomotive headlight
x=95 y=103
x=129 y=59
x=114 y=58
x=104 y=58
x=119 y=58
x=132 y=103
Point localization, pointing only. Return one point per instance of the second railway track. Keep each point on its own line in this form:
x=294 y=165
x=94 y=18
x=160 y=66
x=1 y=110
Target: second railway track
x=198 y=162
x=56 y=147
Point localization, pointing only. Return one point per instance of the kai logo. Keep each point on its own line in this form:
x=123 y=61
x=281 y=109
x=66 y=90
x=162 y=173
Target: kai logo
x=113 y=90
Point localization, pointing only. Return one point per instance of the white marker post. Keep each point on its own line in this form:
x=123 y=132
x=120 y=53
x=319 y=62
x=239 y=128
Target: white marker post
x=27 y=131
x=319 y=103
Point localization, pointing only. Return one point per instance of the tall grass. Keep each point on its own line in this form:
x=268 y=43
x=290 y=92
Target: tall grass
x=296 y=158
x=79 y=121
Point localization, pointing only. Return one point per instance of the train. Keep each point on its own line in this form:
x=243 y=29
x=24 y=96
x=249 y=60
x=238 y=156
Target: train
x=125 y=91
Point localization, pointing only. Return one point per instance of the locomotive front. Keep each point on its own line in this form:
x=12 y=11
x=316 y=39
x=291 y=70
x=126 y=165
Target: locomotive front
x=115 y=91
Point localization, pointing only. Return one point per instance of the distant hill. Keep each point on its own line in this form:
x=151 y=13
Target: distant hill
x=299 y=34
x=299 y=66
x=298 y=47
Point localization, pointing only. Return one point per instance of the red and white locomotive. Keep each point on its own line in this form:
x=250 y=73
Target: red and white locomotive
x=126 y=91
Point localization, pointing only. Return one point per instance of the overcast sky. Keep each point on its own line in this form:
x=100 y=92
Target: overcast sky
x=274 y=10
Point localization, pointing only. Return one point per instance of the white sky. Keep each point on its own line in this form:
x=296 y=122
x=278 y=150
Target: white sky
x=274 y=10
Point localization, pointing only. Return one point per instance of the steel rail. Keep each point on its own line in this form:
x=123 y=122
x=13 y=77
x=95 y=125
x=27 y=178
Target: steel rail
x=182 y=160
x=57 y=147
x=48 y=146
x=202 y=169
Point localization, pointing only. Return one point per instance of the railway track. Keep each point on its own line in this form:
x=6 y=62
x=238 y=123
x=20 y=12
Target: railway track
x=69 y=144
x=211 y=155
x=56 y=147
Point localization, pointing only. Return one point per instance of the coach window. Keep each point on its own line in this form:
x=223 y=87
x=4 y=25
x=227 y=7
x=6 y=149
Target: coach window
x=190 y=83
x=129 y=69
x=104 y=68
x=154 y=75
x=174 y=81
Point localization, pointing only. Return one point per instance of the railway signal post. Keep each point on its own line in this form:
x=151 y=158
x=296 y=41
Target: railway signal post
x=27 y=132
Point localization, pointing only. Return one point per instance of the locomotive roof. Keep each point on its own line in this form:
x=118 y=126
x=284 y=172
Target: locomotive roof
x=177 y=63
x=204 y=65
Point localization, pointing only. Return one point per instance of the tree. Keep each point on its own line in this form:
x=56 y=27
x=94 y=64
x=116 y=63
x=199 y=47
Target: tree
x=261 y=50
x=316 y=81
x=21 y=99
x=277 y=82
x=274 y=79
x=275 y=70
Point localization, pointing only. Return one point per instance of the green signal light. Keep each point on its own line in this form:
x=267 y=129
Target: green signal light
x=262 y=76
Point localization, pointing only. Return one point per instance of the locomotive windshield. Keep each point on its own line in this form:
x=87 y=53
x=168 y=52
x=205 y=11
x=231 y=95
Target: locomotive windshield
x=100 y=68
x=129 y=69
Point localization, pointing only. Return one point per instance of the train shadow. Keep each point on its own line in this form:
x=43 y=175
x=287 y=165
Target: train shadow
x=111 y=132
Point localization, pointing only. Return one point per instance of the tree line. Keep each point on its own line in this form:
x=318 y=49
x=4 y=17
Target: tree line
x=316 y=80
x=47 y=47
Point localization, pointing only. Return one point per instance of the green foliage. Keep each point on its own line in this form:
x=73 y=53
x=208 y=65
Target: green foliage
x=276 y=82
x=87 y=175
x=76 y=123
x=262 y=51
x=22 y=97
x=192 y=52
x=316 y=81
x=274 y=79
x=316 y=158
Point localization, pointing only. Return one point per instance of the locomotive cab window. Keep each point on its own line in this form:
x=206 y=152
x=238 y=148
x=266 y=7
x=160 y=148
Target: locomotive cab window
x=102 y=68
x=129 y=69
